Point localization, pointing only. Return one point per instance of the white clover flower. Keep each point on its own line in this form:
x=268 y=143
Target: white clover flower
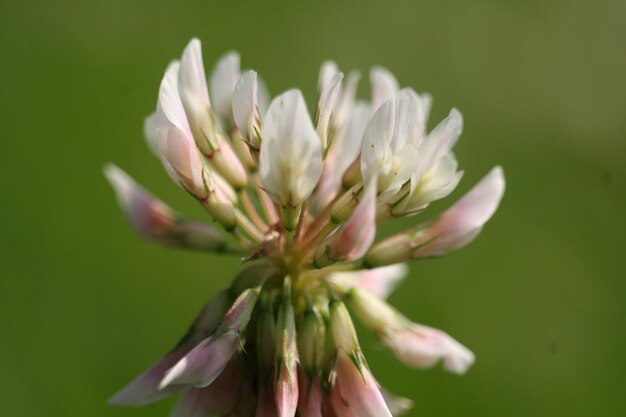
x=302 y=198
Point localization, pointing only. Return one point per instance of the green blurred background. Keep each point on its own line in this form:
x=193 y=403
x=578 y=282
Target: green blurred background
x=85 y=305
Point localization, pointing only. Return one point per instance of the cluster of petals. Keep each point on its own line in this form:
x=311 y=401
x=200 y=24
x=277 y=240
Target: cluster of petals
x=299 y=199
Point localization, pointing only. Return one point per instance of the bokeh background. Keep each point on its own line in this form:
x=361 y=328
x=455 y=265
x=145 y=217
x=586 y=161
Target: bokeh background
x=85 y=305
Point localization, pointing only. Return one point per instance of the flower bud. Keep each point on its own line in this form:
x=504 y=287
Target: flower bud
x=373 y=312
x=152 y=218
x=287 y=359
x=341 y=328
x=345 y=205
x=394 y=249
x=311 y=334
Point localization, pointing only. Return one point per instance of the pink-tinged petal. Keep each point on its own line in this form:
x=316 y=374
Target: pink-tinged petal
x=462 y=222
x=356 y=392
x=287 y=389
x=217 y=399
x=204 y=363
x=423 y=347
x=149 y=216
x=310 y=398
x=384 y=86
x=182 y=156
x=358 y=233
x=378 y=281
x=145 y=388
x=152 y=218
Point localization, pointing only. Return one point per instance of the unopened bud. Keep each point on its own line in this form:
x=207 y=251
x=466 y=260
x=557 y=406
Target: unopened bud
x=291 y=215
x=392 y=250
x=372 y=311
x=310 y=340
x=345 y=205
x=287 y=358
x=342 y=329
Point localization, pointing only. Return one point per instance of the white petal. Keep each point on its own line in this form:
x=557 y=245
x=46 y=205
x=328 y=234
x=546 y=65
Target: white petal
x=441 y=140
x=192 y=79
x=387 y=149
x=349 y=147
x=223 y=81
x=384 y=86
x=434 y=185
x=326 y=106
x=345 y=102
x=170 y=110
x=343 y=151
x=328 y=70
x=245 y=103
x=291 y=157
x=194 y=95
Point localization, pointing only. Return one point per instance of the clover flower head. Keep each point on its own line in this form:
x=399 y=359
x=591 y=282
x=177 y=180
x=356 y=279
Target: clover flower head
x=300 y=199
